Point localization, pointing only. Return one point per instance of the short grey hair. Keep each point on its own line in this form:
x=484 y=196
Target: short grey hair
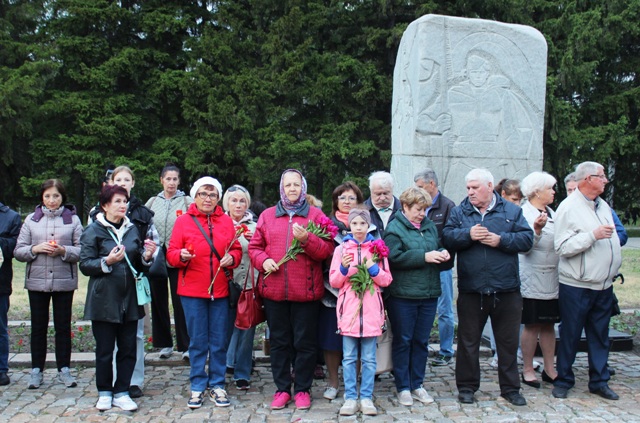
x=482 y=175
x=382 y=178
x=570 y=177
x=535 y=182
x=585 y=169
x=426 y=175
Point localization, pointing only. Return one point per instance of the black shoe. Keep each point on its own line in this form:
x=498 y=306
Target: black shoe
x=605 y=392
x=515 y=398
x=559 y=392
x=532 y=383
x=242 y=384
x=4 y=379
x=465 y=397
x=230 y=371
x=547 y=378
x=135 y=391
x=612 y=371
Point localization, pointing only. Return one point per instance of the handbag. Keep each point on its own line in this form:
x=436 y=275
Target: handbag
x=384 y=360
x=158 y=269
x=250 y=311
x=234 y=290
x=143 y=290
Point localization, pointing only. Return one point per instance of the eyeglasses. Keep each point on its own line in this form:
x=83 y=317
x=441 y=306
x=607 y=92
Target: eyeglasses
x=603 y=177
x=345 y=198
x=203 y=196
x=235 y=188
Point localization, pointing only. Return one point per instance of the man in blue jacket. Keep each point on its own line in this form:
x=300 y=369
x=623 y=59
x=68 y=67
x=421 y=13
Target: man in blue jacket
x=487 y=233
x=10 y=223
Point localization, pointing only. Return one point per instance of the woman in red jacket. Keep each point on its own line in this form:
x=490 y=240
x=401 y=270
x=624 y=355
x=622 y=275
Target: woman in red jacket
x=203 y=247
x=293 y=290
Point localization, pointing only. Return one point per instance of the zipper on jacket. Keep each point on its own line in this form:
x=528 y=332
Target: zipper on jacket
x=211 y=256
x=363 y=294
x=286 y=274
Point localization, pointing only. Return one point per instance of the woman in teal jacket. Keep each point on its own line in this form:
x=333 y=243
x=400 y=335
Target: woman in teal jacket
x=414 y=255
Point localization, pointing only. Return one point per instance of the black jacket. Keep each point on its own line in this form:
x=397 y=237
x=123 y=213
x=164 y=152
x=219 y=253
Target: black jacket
x=10 y=224
x=111 y=297
x=482 y=268
x=439 y=214
x=375 y=217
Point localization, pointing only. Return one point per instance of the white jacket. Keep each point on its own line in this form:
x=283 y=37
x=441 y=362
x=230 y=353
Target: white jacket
x=539 y=265
x=584 y=261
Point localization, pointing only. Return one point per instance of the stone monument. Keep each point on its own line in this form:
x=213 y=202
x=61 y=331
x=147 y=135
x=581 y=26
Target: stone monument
x=467 y=93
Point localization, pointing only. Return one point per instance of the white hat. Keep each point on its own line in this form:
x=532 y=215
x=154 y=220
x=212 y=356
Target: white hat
x=205 y=180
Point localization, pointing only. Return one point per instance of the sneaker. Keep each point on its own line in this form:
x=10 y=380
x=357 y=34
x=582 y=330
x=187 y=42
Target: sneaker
x=35 y=380
x=303 y=400
x=104 y=403
x=166 y=352
x=330 y=393
x=536 y=365
x=367 y=407
x=421 y=395
x=404 y=397
x=494 y=362
x=280 y=400
x=242 y=384
x=349 y=408
x=65 y=376
x=125 y=402
x=185 y=356
x=196 y=400
x=219 y=397
x=441 y=360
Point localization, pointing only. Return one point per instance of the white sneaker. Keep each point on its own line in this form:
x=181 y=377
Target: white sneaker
x=166 y=352
x=330 y=393
x=367 y=407
x=536 y=365
x=421 y=395
x=349 y=408
x=125 y=402
x=104 y=403
x=185 y=355
x=494 y=362
x=404 y=397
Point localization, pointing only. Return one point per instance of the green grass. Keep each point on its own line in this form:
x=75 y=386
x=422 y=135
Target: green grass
x=629 y=293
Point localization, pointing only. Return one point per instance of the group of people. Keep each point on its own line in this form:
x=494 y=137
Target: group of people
x=330 y=284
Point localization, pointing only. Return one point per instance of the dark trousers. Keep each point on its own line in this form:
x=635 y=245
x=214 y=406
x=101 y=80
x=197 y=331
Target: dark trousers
x=39 y=305
x=584 y=308
x=293 y=332
x=505 y=310
x=107 y=335
x=160 y=316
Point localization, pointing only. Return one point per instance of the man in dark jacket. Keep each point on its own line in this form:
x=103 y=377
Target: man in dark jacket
x=10 y=223
x=488 y=233
x=438 y=213
x=382 y=204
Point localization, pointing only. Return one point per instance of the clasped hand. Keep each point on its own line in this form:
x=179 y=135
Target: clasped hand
x=437 y=257
x=482 y=234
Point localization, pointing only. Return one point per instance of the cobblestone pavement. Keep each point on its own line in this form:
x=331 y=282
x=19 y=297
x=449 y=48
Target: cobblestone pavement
x=167 y=383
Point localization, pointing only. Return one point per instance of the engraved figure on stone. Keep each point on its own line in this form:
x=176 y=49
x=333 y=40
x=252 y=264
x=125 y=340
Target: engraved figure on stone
x=431 y=119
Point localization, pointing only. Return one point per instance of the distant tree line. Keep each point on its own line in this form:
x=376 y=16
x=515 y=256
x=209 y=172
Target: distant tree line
x=242 y=89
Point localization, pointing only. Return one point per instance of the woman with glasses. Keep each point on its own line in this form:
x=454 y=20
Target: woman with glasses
x=345 y=197
x=167 y=206
x=236 y=202
x=204 y=249
x=49 y=242
x=293 y=290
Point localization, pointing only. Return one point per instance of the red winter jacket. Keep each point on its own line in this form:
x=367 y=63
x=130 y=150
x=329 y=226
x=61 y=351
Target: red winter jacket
x=196 y=274
x=297 y=280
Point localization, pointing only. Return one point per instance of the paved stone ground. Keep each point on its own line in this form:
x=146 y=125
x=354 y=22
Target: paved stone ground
x=167 y=384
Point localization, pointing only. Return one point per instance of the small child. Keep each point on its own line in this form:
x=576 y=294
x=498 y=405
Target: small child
x=360 y=320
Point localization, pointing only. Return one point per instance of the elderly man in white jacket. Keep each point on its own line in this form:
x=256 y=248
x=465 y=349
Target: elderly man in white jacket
x=590 y=257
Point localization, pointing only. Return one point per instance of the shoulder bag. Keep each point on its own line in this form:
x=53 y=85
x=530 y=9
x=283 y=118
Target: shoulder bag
x=143 y=290
x=250 y=311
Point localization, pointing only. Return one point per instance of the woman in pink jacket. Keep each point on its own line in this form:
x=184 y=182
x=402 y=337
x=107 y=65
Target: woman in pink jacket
x=360 y=315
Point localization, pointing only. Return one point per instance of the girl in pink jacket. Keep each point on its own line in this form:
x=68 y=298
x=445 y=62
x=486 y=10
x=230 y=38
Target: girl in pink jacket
x=360 y=314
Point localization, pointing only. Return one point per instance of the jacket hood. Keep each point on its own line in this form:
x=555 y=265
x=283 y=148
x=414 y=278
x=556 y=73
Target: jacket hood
x=303 y=210
x=66 y=212
x=179 y=193
x=349 y=237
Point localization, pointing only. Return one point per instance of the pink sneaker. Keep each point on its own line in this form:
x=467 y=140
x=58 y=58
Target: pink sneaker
x=280 y=400
x=303 y=401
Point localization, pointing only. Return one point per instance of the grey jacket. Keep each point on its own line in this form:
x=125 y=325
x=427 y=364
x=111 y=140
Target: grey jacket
x=45 y=273
x=539 y=265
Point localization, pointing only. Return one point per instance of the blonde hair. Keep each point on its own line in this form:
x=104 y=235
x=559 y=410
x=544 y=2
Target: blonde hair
x=314 y=201
x=120 y=169
x=415 y=195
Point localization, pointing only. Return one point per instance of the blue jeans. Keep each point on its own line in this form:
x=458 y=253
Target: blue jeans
x=446 y=321
x=4 y=334
x=240 y=349
x=207 y=324
x=411 y=322
x=350 y=346
x=584 y=308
